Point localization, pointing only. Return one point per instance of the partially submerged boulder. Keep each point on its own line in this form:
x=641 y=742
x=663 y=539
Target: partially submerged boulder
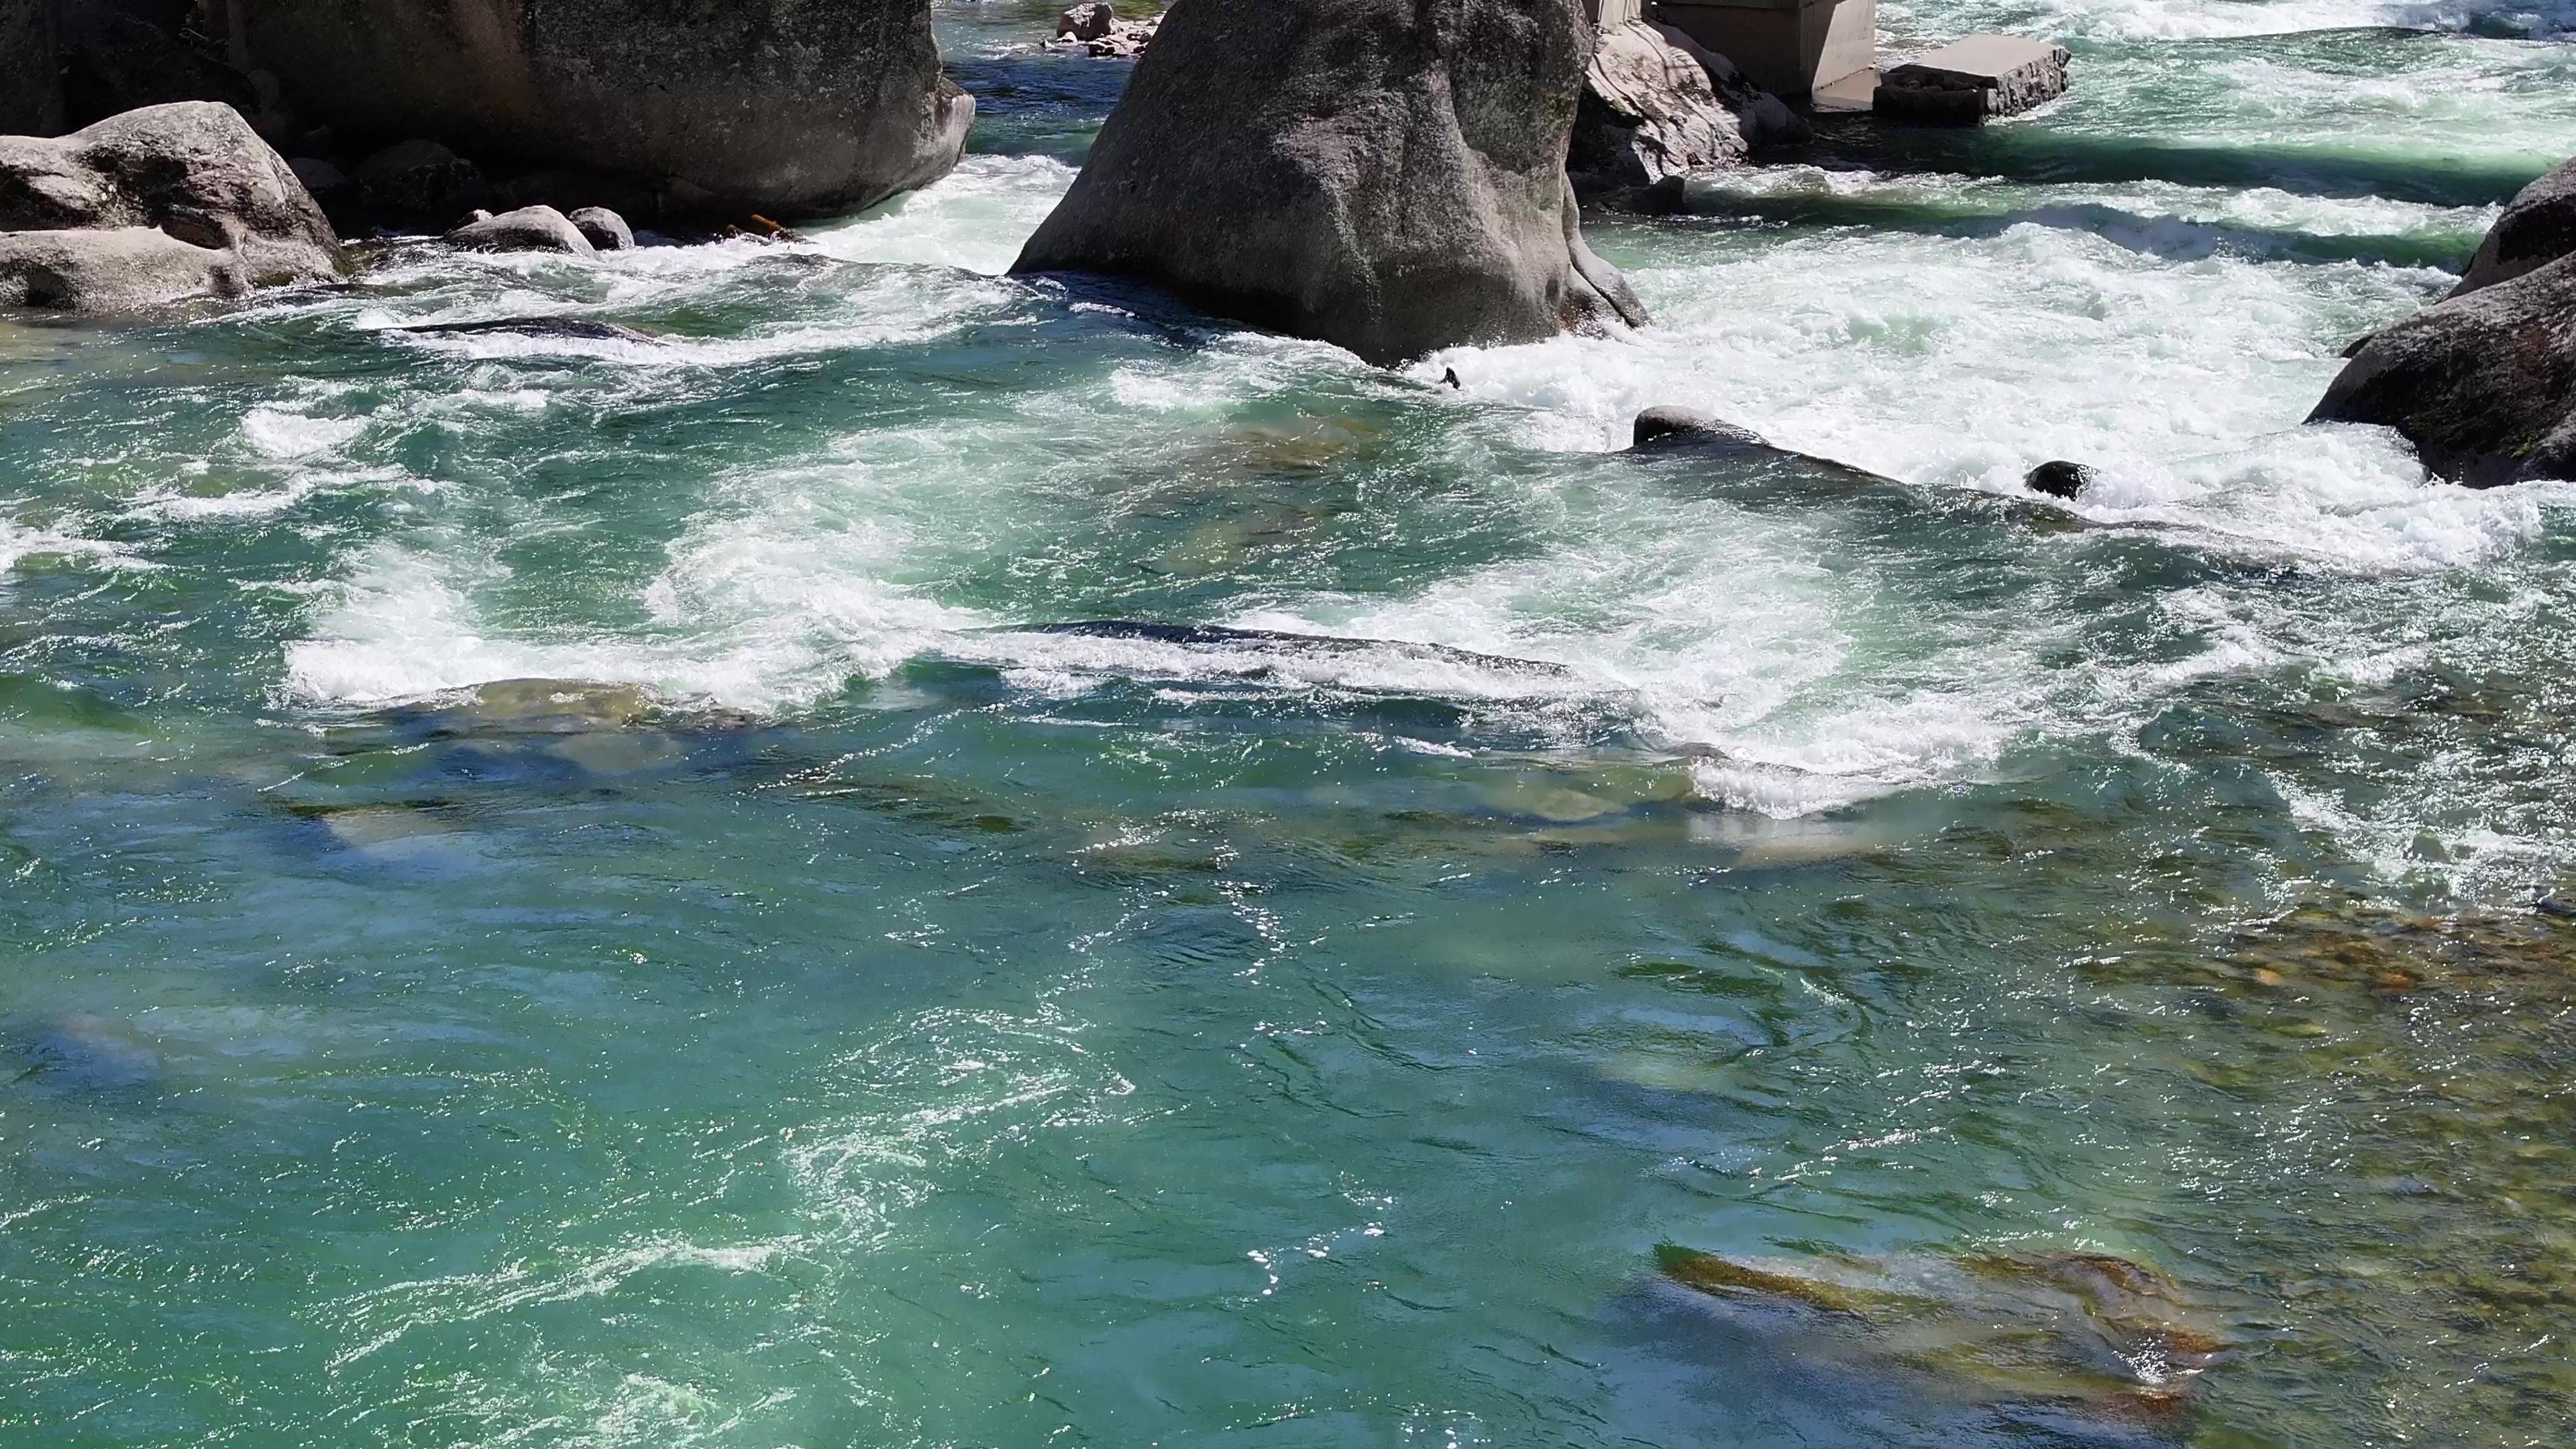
x=2059 y=479
x=1969 y=81
x=1667 y=425
x=528 y=229
x=2538 y=228
x=151 y=206
x=785 y=106
x=604 y=228
x=1381 y=174
x=2483 y=384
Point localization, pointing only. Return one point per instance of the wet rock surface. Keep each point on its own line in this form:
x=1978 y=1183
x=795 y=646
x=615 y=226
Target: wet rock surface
x=1973 y=80
x=1366 y=172
x=2483 y=384
x=152 y=206
x=2059 y=479
x=2099 y=1334
x=2537 y=229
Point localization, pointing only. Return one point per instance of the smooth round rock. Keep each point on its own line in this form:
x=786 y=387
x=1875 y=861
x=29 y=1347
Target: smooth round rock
x=1665 y=423
x=606 y=229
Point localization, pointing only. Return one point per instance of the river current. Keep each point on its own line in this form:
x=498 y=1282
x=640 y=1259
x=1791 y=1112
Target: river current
x=566 y=891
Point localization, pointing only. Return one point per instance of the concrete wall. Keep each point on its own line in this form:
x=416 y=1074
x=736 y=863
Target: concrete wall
x=31 y=92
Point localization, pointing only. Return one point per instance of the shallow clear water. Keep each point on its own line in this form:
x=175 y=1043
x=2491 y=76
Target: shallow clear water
x=834 y=1011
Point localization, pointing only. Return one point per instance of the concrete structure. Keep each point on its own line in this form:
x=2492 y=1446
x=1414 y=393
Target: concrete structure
x=1606 y=14
x=1790 y=48
x=1966 y=81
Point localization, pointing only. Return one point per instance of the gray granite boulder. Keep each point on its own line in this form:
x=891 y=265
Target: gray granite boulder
x=2483 y=384
x=151 y=206
x=1657 y=108
x=2537 y=229
x=528 y=229
x=1387 y=175
x=791 y=107
x=604 y=228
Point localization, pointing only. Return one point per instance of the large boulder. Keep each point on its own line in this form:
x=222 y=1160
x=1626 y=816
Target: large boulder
x=157 y=204
x=1388 y=175
x=1657 y=108
x=782 y=106
x=31 y=90
x=2537 y=229
x=2484 y=384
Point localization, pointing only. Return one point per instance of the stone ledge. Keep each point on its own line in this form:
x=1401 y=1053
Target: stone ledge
x=1967 y=81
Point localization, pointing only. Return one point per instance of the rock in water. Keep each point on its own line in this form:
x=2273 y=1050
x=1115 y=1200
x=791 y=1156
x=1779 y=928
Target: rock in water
x=783 y=106
x=1654 y=112
x=2058 y=479
x=1388 y=175
x=1666 y=423
x=528 y=229
x=606 y=229
x=2484 y=384
x=1967 y=81
x=151 y=206
x=2537 y=229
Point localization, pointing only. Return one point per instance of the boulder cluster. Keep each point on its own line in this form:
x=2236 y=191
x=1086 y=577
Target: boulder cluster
x=1095 y=29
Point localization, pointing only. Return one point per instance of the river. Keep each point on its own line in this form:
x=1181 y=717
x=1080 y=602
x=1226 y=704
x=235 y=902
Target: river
x=559 y=891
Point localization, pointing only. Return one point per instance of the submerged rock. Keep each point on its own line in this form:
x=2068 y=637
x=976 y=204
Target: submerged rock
x=1653 y=113
x=2087 y=1329
x=786 y=106
x=1381 y=175
x=2058 y=479
x=2538 y=228
x=584 y=328
x=2483 y=384
x=528 y=229
x=151 y=206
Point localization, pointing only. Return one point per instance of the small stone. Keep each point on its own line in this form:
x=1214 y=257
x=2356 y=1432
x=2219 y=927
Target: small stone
x=606 y=229
x=1968 y=81
x=528 y=229
x=2059 y=479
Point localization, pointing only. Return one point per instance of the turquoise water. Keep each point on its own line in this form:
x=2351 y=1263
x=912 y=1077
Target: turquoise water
x=559 y=893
